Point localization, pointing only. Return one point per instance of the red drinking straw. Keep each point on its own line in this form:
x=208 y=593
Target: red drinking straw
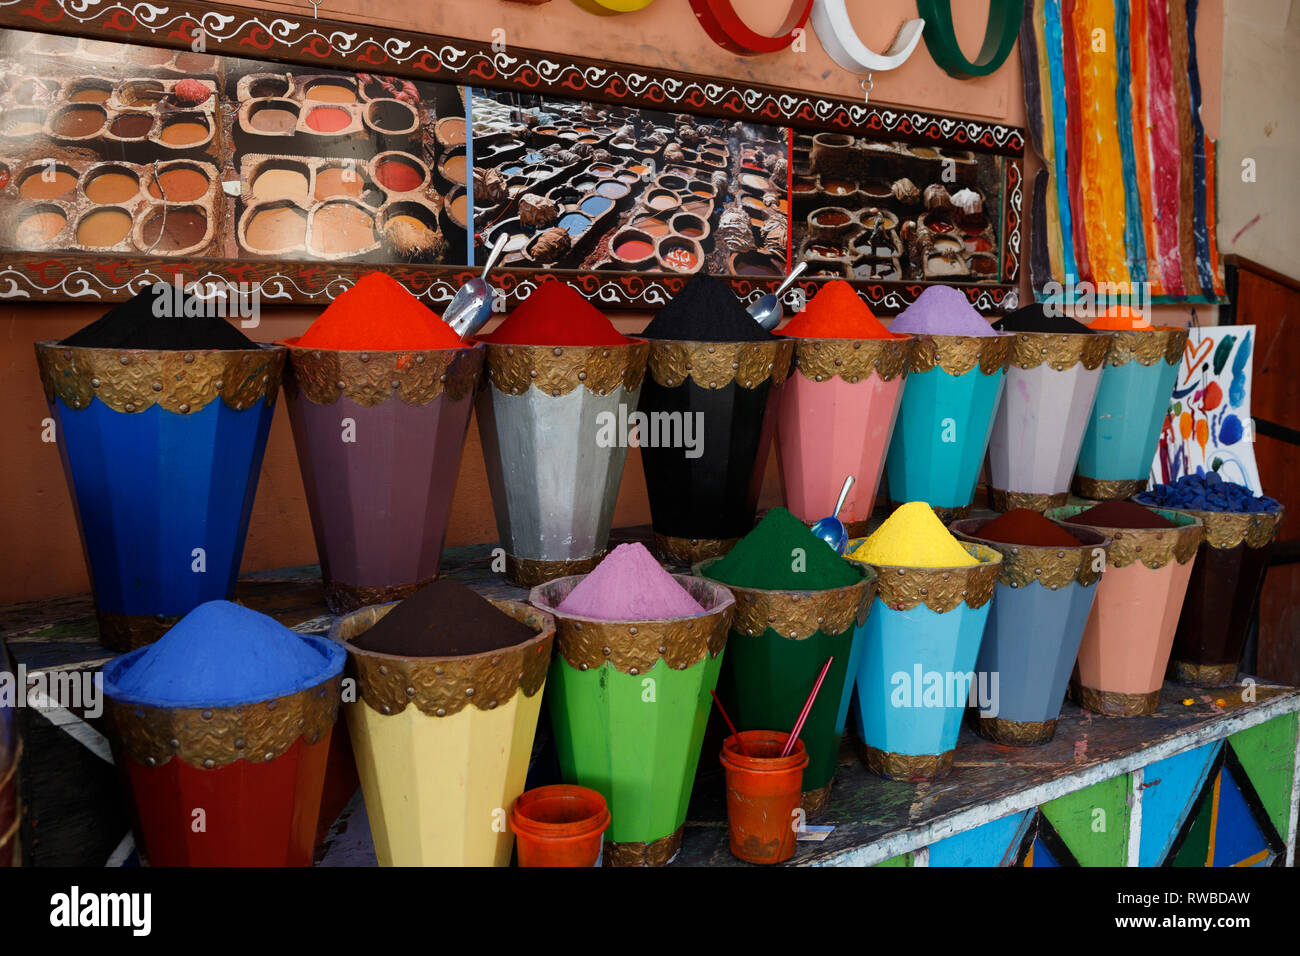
x=734 y=732
x=807 y=708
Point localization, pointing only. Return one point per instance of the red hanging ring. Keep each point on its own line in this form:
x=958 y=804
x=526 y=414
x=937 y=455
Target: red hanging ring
x=725 y=27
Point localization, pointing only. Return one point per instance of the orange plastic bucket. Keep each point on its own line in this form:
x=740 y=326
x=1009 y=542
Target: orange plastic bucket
x=561 y=825
x=763 y=791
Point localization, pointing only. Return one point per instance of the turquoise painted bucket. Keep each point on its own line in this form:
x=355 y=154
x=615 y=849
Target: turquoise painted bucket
x=1132 y=400
x=945 y=420
x=920 y=644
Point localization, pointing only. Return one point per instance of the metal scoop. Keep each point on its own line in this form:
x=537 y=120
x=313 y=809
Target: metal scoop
x=832 y=530
x=767 y=310
x=471 y=306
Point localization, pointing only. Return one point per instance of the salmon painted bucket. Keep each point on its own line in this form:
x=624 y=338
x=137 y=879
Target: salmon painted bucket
x=379 y=438
x=442 y=743
x=629 y=701
x=1130 y=631
x=1040 y=606
x=763 y=794
x=836 y=417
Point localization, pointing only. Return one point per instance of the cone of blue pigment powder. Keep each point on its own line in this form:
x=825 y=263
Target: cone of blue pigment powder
x=162 y=410
x=231 y=712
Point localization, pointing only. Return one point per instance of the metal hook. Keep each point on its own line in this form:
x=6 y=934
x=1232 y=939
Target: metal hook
x=867 y=85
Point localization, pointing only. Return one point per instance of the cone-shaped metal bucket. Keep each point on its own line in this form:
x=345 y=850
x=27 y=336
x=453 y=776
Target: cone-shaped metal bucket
x=255 y=768
x=917 y=664
x=723 y=395
x=1052 y=382
x=836 y=417
x=161 y=451
x=1036 y=621
x=1130 y=630
x=1124 y=427
x=1222 y=595
x=442 y=743
x=629 y=701
x=379 y=438
x=944 y=421
x=779 y=642
x=552 y=424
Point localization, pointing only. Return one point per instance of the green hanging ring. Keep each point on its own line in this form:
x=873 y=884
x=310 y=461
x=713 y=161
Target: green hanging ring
x=999 y=37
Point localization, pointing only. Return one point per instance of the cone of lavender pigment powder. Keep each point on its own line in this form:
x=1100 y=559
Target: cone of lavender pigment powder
x=379 y=393
x=450 y=689
x=710 y=400
x=955 y=378
x=639 y=652
x=232 y=712
x=162 y=409
x=1227 y=578
x=797 y=604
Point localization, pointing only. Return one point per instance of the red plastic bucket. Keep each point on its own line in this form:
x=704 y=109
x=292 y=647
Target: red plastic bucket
x=561 y=825
x=763 y=792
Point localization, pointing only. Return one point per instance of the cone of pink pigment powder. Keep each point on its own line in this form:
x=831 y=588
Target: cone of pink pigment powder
x=629 y=585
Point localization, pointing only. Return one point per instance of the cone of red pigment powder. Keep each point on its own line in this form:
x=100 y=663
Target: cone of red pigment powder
x=838 y=408
x=1223 y=593
x=710 y=406
x=1130 y=631
x=627 y=623
x=230 y=712
x=1132 y=399
x=379 y=394
x=1046 y=585
x=553 y=417
x=1052 y=381
x=797 y=604
x=450 y=690
x=954 y=383
x=162 y=409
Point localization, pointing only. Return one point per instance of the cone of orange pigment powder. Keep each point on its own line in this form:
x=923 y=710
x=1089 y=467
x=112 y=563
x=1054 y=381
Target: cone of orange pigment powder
x=838 y=407
x=1045 y=590
x=450 y=688
x=379 y=395
x=1130 y=631
x=162 y=410
x=229 y=712
x=1124 y=427
x=561 y=384
x=1223 y=593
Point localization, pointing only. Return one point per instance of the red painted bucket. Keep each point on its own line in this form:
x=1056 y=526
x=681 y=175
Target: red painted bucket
x=763 y=793
x=561 y=825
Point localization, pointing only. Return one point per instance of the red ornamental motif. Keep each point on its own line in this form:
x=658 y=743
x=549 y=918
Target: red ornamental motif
x=725 y=27
x=257 y=38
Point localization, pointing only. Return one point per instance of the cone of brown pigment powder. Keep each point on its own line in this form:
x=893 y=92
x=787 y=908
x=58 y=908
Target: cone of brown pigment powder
x=450 y=688
x=1223 y=593
x=1130 y=630
x=561 y=383
x=710 y=401
x=379 y=394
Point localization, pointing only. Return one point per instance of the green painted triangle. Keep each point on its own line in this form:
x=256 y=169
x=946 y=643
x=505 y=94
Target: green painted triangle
x=1267 y=754
x=1196 y=847
x=1093 y=822
x=903 y=859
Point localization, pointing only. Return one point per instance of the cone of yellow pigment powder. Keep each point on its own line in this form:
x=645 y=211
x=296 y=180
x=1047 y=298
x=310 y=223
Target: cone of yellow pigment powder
x=920 y=642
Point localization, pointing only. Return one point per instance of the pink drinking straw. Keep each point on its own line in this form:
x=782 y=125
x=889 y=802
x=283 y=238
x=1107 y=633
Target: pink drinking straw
x=807 y=708
x=734 y=732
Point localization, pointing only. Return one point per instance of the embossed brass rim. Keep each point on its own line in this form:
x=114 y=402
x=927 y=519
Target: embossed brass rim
x=1154 y=547
x=814 y=802
x=1228 y=529
x=369 y=377
x=1060 y=350
x=127 y=632
x=1000 y=500
x=1204 y=675
x=798 y=614
x=444 y=686
x=634 y=647
x=529 y=572
x=939 y=589
x=557 y=370
x=686 y=552
x=852 y=360
x=1113 y=703
x=1147 y=346
x=958 y=354
x=1107 y=489
x=134 y=380
x=914 y=768
x=659 y=852
x=1052 y=567
x=1015 y=733
x=342 y=598
x=718 y=364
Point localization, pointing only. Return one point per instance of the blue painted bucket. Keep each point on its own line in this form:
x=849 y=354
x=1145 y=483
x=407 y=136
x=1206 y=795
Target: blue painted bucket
x=920 y=644
x=1039 y=609
x=161 y=451
x=945 y=420
x=1124 y=429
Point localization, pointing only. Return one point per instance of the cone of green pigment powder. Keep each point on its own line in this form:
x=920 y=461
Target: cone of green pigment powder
x=629 y=692
x=797 y=603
